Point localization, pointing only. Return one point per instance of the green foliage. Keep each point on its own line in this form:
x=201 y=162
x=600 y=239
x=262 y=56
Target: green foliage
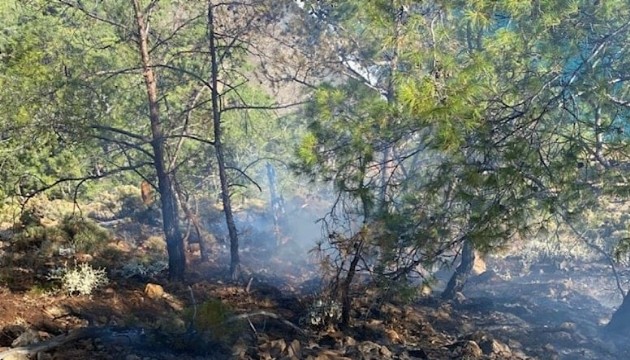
x=85 y=235
x=505 y=128
x=211 y=319
x=35 y=238
x=82 y=235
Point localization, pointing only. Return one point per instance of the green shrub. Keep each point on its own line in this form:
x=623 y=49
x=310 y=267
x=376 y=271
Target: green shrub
x=37 y=237
x=86 y=235
x=211 y=319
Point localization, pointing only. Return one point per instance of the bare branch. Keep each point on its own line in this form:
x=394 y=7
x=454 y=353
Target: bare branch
x=77 y=5
x=263 y=107
x=86 y=178
x=267 y=314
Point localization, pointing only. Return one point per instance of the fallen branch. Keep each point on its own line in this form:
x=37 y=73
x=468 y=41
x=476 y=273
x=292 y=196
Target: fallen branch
x=267 y=314
x=106 y=334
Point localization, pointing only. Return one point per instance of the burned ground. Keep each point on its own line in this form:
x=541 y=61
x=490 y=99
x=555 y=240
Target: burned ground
x=515 y=310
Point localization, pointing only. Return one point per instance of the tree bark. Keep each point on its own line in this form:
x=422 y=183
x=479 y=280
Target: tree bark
x=458 y=280
x=193 y=220
x=620 y=321
x=346 y=301
x=170 y=218
x=218 y=147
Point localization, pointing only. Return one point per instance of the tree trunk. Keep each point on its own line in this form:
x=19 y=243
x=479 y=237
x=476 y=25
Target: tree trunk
x=277 y=204
x=193 y=220
x=458 y=280
x=346 y=301
x=218 y=146
x=620 y=321
x=170 y=218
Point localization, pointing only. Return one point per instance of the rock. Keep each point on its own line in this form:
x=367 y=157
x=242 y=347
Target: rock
x=16 y=357
x=278 y=346
x=470 y=349
x=173 y=302
x=459 y=298
x=479 y=265
x=57 y=311
x=568 y=326
x=154 y=291
x=83 y=258
x=350 y=341
x=294 y=349
x=491 y=346
x=426 y=290
x=370 y=350
x=385 y=352
x=28 y=337
x=393 y=337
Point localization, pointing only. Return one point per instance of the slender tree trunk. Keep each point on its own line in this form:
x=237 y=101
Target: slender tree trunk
x=277 y=204
x=458 y=280
x=192 y=218
x=599 y=139
x=218 y=146
x=620 y=321
x=346 y=301
x=170 y=218
x=386 y=173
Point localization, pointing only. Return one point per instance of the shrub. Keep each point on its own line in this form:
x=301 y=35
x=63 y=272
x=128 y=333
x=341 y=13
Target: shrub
x=132 y=207
x=87 y=236
x=81 y=280
x=211 y=319
x=323 y=313
x=36 y=237
x=146 y=268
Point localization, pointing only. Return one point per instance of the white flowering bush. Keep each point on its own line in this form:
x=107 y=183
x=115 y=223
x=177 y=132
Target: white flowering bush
x=82 y=279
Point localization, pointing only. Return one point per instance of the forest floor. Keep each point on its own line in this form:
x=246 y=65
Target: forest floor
x=509 y=312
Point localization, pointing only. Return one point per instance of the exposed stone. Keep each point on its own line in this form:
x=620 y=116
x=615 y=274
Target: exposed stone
x=393 y=336
x=371 y=350
x=83 y=258
x=459 y=298
x=28 y=337
x=479 y=265
x=350 y=341
x=294 y=349
x=154 y=291
x=470 y=349
x=385 y=352
x=491 y=346
x=16 y=356
x=57 y=311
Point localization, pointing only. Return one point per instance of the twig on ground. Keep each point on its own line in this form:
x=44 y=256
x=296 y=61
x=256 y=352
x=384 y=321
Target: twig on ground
x=267 y=314
x=194 y=303
x=249 y=285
